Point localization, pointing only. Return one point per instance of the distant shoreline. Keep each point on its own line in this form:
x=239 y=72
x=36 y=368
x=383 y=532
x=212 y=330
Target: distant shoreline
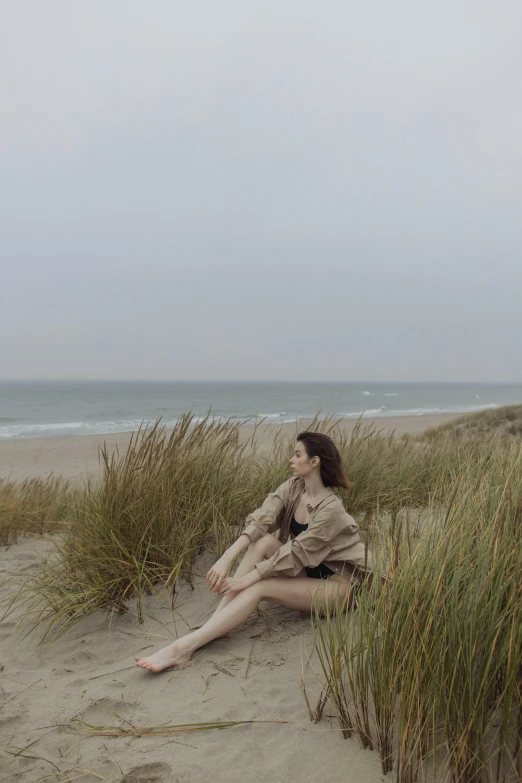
x=75 y=456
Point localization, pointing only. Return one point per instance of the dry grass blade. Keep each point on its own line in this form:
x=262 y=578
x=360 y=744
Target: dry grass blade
x=19 y=692
x=22 y=755
x=142 y=731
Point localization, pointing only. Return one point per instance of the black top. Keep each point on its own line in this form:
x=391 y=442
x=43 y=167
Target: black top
x=296 y=527
x=319 y=572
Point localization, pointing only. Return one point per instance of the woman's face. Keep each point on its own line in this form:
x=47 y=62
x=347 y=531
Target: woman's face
x=300 y=463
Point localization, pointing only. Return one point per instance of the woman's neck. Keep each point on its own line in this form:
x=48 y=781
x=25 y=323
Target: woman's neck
x=313 y=485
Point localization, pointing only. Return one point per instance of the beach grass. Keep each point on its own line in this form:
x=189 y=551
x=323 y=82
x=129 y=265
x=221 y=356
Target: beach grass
x=504 y=422
x=428 y=670
x=35 y=505
x=172 y=494
x=156 y=507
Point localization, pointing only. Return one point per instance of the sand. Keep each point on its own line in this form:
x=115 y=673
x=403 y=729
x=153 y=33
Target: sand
x=75 y=456
x=88 y=674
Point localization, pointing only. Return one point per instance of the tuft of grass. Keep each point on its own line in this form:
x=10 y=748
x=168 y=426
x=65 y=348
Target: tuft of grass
x=158 y=505
x=154 y=509
x=428 y=669
x=498 y=423
x=33 y=506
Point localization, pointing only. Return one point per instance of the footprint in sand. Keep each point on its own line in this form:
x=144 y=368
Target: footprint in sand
x=102 y=712
x=83 y=657
x=157 y=772
x=276 y=660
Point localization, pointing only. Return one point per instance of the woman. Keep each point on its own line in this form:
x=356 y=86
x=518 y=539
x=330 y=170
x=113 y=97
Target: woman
x=318 y=549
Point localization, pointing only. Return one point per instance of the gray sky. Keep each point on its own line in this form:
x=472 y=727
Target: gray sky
x=261 y=190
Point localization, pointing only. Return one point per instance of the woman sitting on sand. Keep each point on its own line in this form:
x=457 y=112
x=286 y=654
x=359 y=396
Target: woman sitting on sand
x=324 y=554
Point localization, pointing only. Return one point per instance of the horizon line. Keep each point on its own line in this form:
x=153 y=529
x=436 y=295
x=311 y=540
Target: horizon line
x=245 y=381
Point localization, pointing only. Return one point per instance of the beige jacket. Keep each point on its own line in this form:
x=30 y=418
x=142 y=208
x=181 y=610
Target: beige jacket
x=332 y=536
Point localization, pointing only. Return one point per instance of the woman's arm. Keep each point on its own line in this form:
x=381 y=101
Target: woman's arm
x=219 y=571
x=239 y=545
x=257 y=524
x=309 y=548
x=234 y=584
x=264 y=519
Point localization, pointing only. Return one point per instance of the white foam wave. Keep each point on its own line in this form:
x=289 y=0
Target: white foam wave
x=71 y=428
x=11 y=431
x=270 y=415
x=383 y=411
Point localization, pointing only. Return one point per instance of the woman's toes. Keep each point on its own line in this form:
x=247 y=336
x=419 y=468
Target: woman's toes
x=173 y=655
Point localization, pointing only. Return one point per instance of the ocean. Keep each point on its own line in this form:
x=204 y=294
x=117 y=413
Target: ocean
x=30 y=409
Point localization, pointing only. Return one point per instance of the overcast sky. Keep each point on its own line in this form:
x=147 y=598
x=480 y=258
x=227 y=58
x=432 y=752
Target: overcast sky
x=261 y=190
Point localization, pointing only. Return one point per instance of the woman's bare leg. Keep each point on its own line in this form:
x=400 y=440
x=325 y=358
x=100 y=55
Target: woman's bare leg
x=263 y=547
x=179 y=652
x=296 y=593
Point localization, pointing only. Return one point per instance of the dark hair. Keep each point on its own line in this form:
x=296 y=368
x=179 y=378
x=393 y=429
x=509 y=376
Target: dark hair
x=331 y=466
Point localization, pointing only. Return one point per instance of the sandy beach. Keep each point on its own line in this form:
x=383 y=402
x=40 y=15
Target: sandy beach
x=48 y=693
x=76 y=456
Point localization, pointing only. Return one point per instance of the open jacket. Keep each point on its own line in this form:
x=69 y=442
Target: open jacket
x=332 y=536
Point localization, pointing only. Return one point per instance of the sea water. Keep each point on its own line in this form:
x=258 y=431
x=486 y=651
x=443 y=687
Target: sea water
x=31 y=409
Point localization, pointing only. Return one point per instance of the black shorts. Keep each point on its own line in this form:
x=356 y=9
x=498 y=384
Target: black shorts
x=319 y=572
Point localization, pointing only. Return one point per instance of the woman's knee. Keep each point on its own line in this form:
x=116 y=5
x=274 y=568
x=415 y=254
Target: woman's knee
x=255 y=590
x=266 y=545
x=338 y=596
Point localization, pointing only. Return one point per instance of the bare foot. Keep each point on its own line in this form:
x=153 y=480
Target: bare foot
x=176 y=654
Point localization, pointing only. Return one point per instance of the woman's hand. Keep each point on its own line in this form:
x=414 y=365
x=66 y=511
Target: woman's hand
x=218 y=573
x=233 y=585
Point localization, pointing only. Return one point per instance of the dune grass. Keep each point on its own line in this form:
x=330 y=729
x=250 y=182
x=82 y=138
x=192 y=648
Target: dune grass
x=155 y=508
x=504 y=423
x=428 y=670
x=36 y=505
x=170 y=495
